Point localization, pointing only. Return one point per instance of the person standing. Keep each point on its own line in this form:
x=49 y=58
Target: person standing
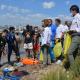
x=59 y=39
x=11 y=40
x=53 y=28
x=28 y=45
x=36 y=44
x=45 y=44
x=59 y=30
x=2 y=43
x=75 y=33
x=17 y=45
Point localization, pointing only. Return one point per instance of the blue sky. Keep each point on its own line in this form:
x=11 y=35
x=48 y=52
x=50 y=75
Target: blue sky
x=16 y=12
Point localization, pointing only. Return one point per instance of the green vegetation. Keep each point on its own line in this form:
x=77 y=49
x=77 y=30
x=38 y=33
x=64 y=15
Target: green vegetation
x=59 y=73
x=75 y=67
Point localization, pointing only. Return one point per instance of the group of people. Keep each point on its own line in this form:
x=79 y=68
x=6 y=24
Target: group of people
x=10 y=38
x=44 y=39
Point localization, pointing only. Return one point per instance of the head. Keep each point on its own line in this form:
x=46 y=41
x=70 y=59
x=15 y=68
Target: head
x=57 y=22
x=29 y=28
x=5 y=32
x=36 y=29
x=45 y=23
x=66 y=22
x=50 y=21
x=17 y=33
x=74 y=9
x=12 y=29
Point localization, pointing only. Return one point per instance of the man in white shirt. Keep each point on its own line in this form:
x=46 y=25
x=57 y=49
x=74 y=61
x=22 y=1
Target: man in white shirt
x=59 y=36
x=66 y=27
x=60 y=29
x=75 y=32
x=46 y=35
x=45 y=43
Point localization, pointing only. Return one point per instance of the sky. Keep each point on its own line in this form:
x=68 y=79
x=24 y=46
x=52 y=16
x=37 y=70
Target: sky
x=22 y=12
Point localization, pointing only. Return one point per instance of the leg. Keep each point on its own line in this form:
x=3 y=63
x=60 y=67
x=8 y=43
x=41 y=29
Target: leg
x=45 y=54
x=0 y=55
x=79 y=50
x=32 y=54
x=16 y=50
x=28 y=53
x=51 y=54
x=9 y=53
x=72 y=49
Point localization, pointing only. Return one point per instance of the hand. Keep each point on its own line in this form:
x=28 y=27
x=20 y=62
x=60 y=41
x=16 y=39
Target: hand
x=48 y=44
x=71 y=31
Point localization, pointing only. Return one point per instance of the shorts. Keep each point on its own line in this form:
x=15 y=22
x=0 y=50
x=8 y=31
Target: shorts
x=28 y=46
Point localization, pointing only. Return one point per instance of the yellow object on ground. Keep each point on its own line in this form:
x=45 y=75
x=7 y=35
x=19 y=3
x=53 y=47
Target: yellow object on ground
x=57 y=49
x=67 y=43
x=41 y=56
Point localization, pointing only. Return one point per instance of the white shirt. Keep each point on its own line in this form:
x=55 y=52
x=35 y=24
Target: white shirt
x=46 y=36
x=65 y=29
x=59 y=31
x=76 y=23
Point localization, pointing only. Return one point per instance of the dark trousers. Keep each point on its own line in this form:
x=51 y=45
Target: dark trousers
x=1 y=51
x=0 y=55
x=15 y=49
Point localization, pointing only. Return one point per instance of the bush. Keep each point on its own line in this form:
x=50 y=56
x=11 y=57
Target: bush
x=75 y=67
x=58 y=74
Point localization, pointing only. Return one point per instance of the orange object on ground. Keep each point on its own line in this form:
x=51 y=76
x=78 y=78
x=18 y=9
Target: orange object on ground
x=27 y=61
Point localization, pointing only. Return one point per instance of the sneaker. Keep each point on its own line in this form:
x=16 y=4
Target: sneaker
x=59 y=62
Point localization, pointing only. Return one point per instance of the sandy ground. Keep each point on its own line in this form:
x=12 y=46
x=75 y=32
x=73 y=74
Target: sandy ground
x=28 y=70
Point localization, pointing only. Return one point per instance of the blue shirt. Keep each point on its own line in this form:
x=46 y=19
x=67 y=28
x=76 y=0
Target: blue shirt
x=53 y=28
x=10 y=38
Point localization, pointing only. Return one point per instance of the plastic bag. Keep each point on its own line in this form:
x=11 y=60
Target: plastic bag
x=27 y=61
x=41 y=56
x=57 y=49
x=67 y=43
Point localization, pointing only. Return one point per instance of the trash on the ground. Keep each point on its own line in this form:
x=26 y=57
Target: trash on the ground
x=18 y=64
x=27 y=61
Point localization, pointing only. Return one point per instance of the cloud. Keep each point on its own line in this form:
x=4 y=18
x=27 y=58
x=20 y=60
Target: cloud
x=13 y=9
x=33 y=19
x=13 y=19
x=15 y=15
x=2 y=7
x=48 y=5
x=67 y=2
x=64 y=17
x=36 y=18
x=37 y=15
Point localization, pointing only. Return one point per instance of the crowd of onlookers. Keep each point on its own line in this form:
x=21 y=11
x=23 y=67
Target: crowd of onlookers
x=37 y=40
